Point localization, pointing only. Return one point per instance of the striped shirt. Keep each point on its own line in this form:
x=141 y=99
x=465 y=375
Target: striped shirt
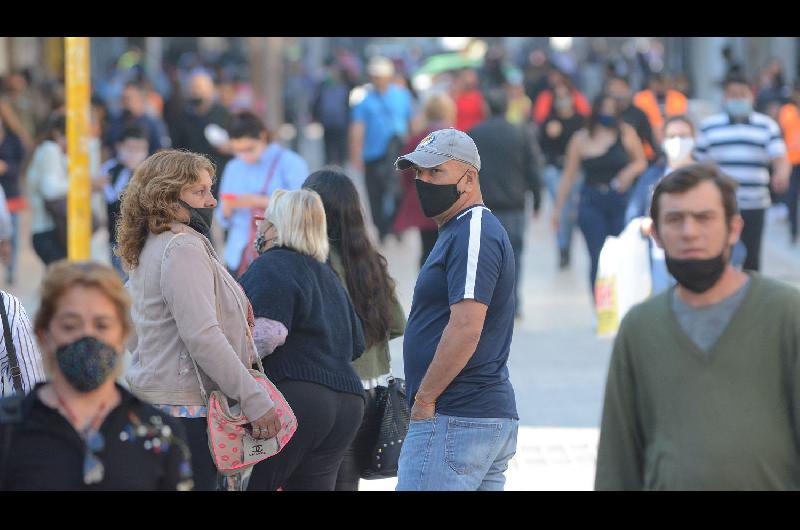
x=743 y=151
x=28 y=356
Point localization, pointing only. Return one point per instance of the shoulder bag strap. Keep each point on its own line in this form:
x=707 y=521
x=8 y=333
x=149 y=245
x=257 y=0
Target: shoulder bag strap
x=16 y=373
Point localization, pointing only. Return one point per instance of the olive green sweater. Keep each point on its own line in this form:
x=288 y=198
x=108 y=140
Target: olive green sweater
x=375 y=361
x=675 y=418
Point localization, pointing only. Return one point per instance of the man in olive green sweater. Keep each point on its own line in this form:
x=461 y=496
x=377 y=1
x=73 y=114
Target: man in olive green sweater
x=703 y=389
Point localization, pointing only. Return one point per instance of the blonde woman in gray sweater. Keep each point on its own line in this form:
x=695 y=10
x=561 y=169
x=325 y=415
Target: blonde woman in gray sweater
x=186 y=306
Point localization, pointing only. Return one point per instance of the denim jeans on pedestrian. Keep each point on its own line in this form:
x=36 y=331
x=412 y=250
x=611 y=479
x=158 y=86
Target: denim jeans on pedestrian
x=566 y=223
x=454 y=453
x=601 y=213
x=514 y=223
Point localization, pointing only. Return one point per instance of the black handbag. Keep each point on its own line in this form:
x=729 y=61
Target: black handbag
x=391 y=414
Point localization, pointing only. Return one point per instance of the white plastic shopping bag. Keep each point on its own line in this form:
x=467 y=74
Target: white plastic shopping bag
x=623 y=277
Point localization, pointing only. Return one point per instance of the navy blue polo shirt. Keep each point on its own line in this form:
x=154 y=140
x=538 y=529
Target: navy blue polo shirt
x=472 y=259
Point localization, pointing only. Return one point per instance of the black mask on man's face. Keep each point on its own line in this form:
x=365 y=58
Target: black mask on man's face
x=697 y=275
x=199 y=218
x=435 y=199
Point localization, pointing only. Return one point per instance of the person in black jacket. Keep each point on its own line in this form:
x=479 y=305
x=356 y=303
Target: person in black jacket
x=510 y=168
x=81 y=430
x=199 y=126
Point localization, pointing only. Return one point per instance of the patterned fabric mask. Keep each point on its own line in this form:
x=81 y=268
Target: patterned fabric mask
x=86 y=363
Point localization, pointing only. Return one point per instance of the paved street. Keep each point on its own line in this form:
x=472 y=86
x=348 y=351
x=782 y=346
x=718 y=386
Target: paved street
x=557 y=365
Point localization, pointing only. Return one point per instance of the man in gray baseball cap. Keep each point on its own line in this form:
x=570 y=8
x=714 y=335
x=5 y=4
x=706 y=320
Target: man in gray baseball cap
x=459 y=331
x=456 y=153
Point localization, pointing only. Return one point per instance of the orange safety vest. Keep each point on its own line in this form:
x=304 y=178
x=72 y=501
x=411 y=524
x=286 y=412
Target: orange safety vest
x=675 y=104
x=789 y=119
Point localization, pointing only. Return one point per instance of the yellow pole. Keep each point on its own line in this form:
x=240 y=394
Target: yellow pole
x=79 y=209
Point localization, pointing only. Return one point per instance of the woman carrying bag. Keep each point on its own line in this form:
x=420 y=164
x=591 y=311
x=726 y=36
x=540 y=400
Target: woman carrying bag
x=308 y=333
x=187 y=308
x=363 y=272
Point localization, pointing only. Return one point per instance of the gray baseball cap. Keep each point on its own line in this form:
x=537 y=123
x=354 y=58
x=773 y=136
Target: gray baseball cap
x=439 y=147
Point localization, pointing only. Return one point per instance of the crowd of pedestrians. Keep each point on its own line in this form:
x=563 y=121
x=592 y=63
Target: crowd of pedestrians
x=228 y=253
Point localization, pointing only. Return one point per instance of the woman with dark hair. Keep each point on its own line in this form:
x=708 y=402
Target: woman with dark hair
x=611 y=156
x=363 y=272
x=260 y=167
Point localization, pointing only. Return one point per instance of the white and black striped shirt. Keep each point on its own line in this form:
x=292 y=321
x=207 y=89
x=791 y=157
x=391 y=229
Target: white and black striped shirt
x=28 y=356
x=743 y=150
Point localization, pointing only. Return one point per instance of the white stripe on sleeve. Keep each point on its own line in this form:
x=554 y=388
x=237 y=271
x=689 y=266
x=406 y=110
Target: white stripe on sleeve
x=473 y=252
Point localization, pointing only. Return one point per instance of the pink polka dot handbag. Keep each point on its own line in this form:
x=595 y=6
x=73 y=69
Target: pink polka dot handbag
x=231 y=445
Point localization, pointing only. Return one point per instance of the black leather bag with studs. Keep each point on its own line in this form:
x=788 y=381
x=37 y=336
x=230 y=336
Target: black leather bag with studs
x=391 y=425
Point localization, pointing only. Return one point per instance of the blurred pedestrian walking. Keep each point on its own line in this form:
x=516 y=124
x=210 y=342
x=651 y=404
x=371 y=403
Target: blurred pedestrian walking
x=459 y=331
x=679 y=141
x=200 y=127
x=131 y=150
x=702 y=389
x=308 y=333
x=259 y=167
x=363 y=272
x=610 y=155
x=619 y=88
x=379 y=126
x=659 y=102
x=331 y=108
x=189 y=314
x=554 y=136
x=509 y=170
x=746 y=145
x=467 y=95
x=12 y=157
x=47 y=186
x=134 y=112
x=558 y=80
x=81 y=430
x=790 y=125
x=439 y=112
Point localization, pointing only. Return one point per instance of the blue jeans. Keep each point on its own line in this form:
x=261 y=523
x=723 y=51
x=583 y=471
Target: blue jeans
x=452 y=453
x=601 y=213
x=514 y=223
x=566 y=223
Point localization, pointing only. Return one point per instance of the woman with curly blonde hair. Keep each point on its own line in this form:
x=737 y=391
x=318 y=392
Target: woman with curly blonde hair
x=188 y=311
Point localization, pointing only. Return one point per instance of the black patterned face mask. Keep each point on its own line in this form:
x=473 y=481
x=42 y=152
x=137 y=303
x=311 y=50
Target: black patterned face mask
x=86 y=363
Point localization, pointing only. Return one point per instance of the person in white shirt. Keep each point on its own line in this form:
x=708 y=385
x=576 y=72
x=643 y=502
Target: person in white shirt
x=48 y=180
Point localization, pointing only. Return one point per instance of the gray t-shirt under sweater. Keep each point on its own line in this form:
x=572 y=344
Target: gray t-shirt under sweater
x=704 y=325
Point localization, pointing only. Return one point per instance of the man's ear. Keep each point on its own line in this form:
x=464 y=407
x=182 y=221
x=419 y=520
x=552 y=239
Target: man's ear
x=735 y=229
x=656 y=238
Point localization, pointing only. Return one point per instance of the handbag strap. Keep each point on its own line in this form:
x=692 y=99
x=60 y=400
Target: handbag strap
x=203 y=391
x=14 y=369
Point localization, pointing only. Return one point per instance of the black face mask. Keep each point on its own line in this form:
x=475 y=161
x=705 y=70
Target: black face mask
x=435 y=199
x=199 y=218
x=195 y=102
x=697 y=275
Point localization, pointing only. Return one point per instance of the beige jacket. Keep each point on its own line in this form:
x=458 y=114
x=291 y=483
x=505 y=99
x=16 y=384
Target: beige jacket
x=176 y=291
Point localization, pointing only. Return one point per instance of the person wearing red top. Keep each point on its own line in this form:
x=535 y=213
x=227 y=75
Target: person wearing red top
x=439 y=113
x=543 y=105
x=469 y=101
